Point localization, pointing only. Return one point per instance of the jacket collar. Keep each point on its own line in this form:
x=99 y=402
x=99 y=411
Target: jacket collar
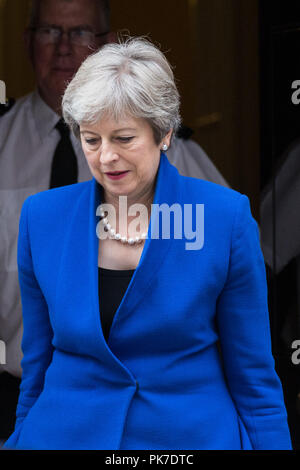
x=167 y=190
x=78 y=298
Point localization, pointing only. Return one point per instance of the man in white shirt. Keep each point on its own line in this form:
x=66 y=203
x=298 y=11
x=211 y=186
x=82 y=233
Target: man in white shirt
x=61 y=34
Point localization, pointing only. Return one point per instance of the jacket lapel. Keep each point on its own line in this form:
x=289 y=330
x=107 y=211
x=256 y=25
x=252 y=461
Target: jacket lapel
x=78 y=298
x=167 y=190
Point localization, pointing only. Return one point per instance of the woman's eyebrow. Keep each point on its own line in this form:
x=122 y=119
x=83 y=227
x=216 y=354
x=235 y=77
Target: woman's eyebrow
x=125 y=129
x=90 y=132
x=114 y=130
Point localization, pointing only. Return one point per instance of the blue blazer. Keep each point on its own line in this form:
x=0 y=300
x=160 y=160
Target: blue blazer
x=188 y=362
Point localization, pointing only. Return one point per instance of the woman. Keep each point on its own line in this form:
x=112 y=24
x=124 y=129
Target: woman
x=179 y=356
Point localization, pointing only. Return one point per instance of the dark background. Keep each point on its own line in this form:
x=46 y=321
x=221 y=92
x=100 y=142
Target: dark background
x=235 y=62
x=279 y=58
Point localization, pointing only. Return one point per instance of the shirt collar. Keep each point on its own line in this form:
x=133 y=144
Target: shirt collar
x=44 y=117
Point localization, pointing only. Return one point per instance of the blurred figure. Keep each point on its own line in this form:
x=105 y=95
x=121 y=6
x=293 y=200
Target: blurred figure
x=37 y=152
x=280 y=241
x=280 y=237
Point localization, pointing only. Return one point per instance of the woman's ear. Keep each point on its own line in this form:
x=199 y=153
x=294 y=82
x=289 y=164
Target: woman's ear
x=167 y=139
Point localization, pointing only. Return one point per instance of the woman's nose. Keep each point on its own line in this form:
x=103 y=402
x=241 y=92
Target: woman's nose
x=107 y=153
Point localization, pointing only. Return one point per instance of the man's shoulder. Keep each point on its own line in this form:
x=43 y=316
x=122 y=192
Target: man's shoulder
x=57 y=200
x=13 y=108
x=191 y=160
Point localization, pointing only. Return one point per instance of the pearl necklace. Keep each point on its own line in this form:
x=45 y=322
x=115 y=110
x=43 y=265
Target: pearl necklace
x=117 y=236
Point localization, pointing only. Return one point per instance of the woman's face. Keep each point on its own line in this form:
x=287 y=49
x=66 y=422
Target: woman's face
x=124 y=146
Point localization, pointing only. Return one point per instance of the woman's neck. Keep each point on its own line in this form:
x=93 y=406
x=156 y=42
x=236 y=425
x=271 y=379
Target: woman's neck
x=145 y=199
x=122 y=204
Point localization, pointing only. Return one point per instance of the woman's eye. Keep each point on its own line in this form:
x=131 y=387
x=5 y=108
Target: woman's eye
x=91 y=141
x=124 y=139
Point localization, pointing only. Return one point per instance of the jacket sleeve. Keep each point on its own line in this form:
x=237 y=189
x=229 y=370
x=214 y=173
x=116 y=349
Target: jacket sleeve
x=37 y=332
x=243 y=322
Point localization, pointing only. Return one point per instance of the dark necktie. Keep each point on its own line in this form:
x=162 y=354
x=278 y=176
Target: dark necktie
x=64 y=168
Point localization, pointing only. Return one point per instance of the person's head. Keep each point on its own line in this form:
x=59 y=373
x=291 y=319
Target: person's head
x=56 y=57
x=124 y=105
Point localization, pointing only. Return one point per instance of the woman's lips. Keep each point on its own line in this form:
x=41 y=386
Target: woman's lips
x=117 y=175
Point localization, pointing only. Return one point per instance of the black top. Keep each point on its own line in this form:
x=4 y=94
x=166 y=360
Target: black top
x=112 y=286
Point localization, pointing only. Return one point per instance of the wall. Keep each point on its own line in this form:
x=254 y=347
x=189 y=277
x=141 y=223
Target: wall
x=15 y=69
x=213 y=46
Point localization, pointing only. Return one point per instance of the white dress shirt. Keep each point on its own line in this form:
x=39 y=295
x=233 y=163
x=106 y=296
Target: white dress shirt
x=191 y=160
x=28 y=139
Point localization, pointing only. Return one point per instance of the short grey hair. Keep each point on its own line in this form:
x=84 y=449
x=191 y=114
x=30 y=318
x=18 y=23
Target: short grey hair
x=103 y=5
x=131 y=77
